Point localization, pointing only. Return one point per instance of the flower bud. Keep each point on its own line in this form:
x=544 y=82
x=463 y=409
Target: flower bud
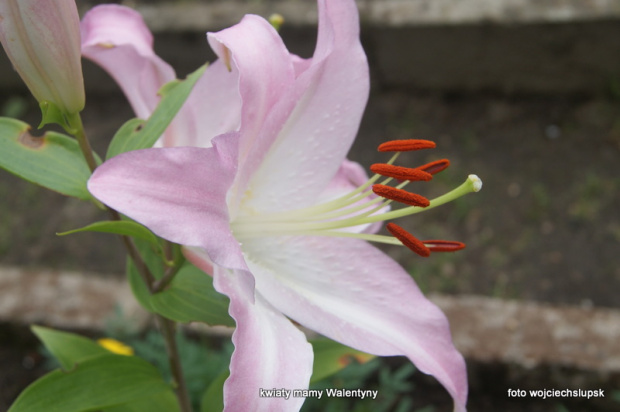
x=42 y=40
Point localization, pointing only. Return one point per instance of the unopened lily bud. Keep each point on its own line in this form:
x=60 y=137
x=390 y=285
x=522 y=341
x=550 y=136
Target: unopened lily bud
x=42 y=40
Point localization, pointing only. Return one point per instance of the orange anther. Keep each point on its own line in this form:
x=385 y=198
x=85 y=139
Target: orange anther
x=401 y=173
x=444 y=245
x=435 y=167
x=406 y=145
x=400 y=195
x=408 y=240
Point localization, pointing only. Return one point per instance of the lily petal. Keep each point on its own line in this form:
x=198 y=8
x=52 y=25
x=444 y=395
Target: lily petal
x=212 y=108
x=266 y=71
x=117 y=39
x=270 y=352
x=353 y=293
x=310 y=142
x=174 y=192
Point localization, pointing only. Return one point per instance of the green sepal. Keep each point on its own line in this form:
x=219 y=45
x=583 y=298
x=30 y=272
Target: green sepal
x=52 y=114
x=331 y=357
x=138 y=134
x=53 y=161
x=100 y=382
x=68 y=348
x=123 y=227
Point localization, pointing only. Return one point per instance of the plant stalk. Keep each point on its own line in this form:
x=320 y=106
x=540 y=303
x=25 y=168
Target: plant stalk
x=78 y=128
x=166 y=326
x=167 y=329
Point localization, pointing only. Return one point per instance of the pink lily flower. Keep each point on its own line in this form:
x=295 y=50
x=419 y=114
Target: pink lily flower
x=274 y=211
x=42 y=40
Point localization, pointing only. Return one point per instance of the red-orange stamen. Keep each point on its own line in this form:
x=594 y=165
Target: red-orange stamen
x=406 y=145
x=444 y=245
x=400 y=195
x=401 y=173
x=435 y=167
x=408 y=240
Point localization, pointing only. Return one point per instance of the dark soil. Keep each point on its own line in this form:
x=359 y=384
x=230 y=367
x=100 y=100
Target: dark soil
x=20 y=362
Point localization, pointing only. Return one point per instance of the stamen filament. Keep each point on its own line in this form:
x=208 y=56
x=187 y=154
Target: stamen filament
x=249 y=227
x=389 y=240
x=344 y=200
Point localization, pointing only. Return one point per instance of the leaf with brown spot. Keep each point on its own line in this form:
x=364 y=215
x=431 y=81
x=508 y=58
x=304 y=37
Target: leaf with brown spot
x=30 y=141
x=53 y=161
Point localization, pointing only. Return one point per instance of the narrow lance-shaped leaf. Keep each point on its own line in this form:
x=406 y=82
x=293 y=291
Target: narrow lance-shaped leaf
x=139 y=134
x=53 y=161
x=126 y=228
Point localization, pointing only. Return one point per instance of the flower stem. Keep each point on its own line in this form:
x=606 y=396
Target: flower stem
x=167 y=329
x=75 y=121
x=166 y=326
x=165 y=280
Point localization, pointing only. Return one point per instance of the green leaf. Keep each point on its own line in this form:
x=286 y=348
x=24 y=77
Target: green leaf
x=96 y=383
x=213 y=398
x=121 y=142
x=331 y=357
x=191 y=297
x=161 y=402
x=53 y=161
x=68 y=348
x=124 y=227
x=139 y=134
